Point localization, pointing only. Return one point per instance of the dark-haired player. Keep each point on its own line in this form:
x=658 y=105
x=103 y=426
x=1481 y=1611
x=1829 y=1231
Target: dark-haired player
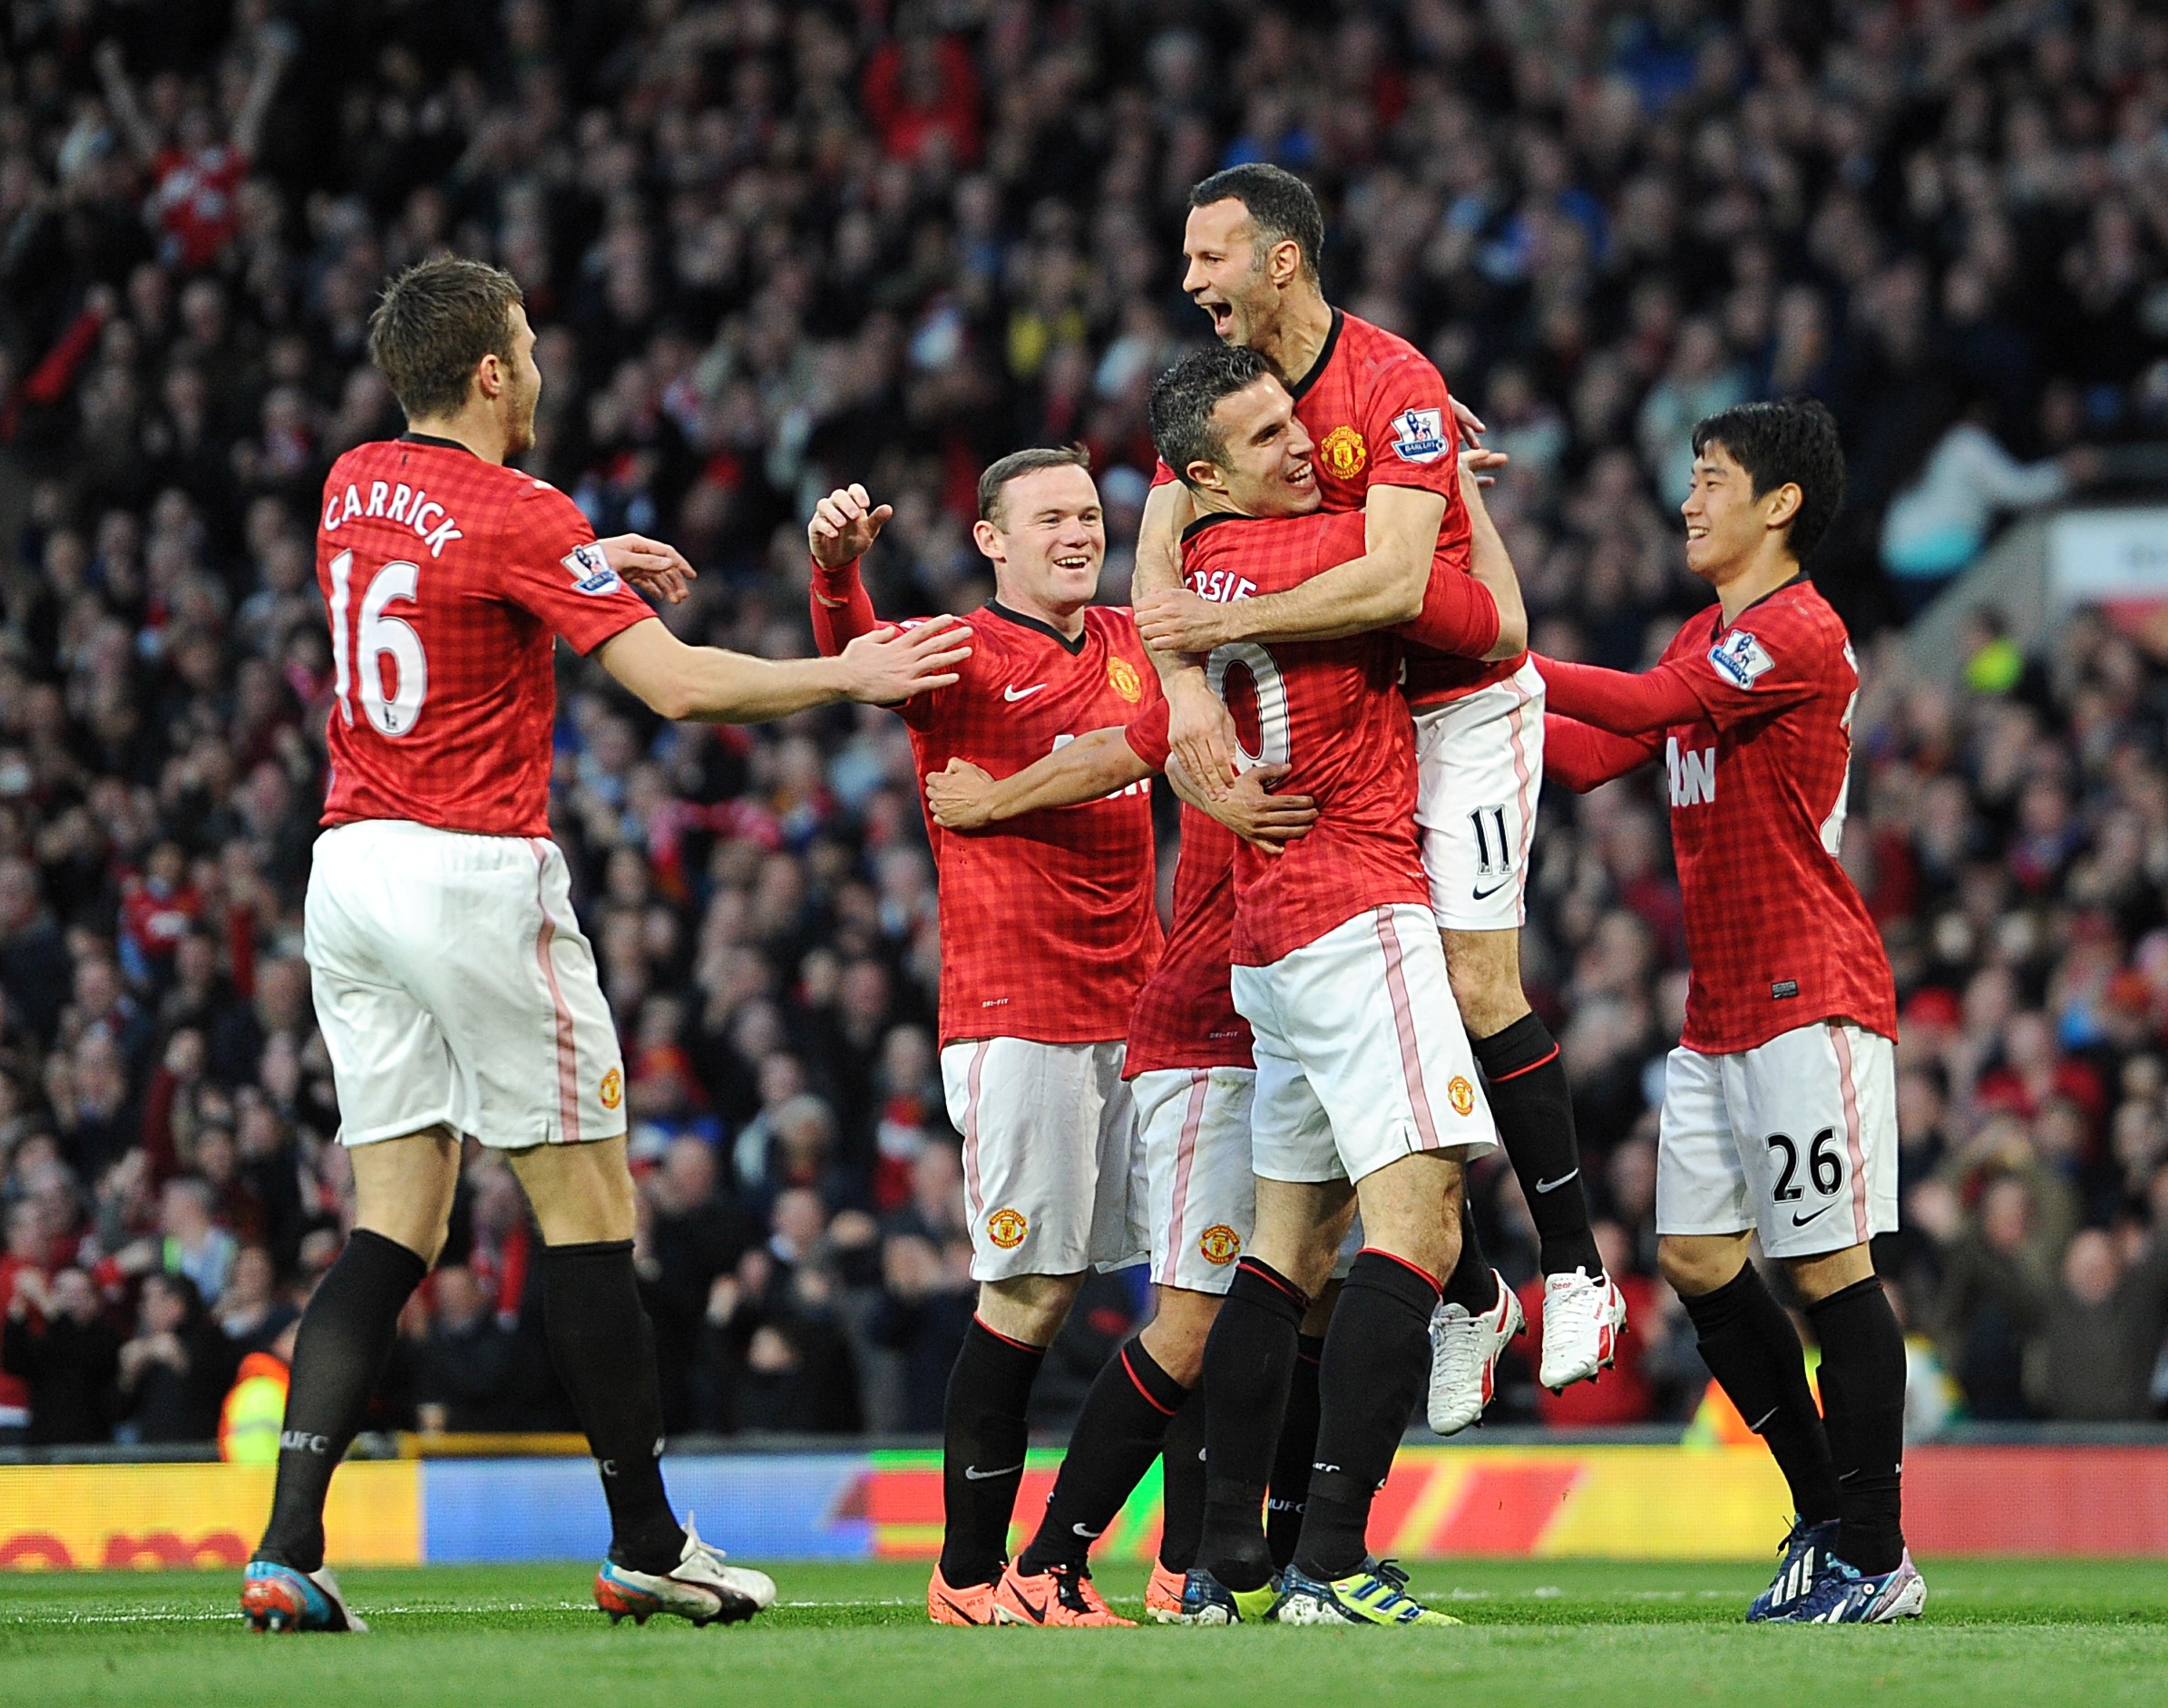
x=1779 y=1104
x=1386 y=431
x=1047 y=927
x=455 y=993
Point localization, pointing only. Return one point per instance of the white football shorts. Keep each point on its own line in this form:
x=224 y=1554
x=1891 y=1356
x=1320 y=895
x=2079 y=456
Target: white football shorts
x=1479 y=767
x=1052 y=1175
x=454 y=989
x=1795 y=1138
x=1200 y=1196
x=1361 y=1058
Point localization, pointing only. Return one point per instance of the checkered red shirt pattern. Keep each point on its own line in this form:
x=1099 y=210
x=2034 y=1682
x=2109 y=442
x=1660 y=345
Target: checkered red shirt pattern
x=1777 y=935
x=1185 y=1016
x=1049 y=923
x=1328 y=710
x=448 y=580
x=1366 y=403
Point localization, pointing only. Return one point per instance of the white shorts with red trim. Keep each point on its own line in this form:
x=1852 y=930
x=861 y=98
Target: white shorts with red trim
x=1479 y=769
x=1795 y=1138
x=1361 y=1058
x=1200 y=1196
x=1052 y=1174
x=453 y=988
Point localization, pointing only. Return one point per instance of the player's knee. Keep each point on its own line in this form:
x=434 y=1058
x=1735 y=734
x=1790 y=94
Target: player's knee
x=1484 y=970
x=1027 y=1308
x=1694 y=1266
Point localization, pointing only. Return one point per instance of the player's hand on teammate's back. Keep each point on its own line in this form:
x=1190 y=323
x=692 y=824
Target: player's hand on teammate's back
x=1267 y=822
x=1200 y=733
x=654 y=565
x=844 y=524
x=888 y=665
x=956 y=795
x=1175 y=619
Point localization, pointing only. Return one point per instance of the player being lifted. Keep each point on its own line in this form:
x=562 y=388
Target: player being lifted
x=1048 y=929
x=1386 y=430
x=1190 y=1058
x=455 y=993
x=1779 y=1104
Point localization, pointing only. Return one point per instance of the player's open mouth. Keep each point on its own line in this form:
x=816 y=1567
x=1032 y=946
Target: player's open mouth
x=1080 y=562
x=1223 y=317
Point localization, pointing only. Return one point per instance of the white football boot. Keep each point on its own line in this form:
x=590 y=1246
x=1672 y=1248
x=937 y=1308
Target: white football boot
x=1464 y=1352
x=703 y=1588
x=1582 y=1321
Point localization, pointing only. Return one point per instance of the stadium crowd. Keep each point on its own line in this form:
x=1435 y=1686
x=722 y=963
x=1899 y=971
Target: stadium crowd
x=768 y=248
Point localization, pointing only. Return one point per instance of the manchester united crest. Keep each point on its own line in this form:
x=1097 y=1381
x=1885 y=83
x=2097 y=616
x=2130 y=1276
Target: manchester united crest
x=613 y=1088
x=1219 y=1246
x=1342 y=453
x=1461 y=1094
x=1007 y=1228
x=1121 y=676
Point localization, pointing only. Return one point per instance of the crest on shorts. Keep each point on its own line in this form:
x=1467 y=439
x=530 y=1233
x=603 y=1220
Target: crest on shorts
x=1461 y=1095
x=1342 y=452
x=1219 y=1246
x=591 y=573
x=1007 y=1228
x=1121 y=676
x=613 y=1088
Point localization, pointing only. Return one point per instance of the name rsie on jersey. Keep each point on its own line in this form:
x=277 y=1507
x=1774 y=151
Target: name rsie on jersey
x=1223 y=587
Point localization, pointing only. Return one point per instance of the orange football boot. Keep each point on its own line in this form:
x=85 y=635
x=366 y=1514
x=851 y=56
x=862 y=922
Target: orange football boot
x=1163 y=1595
x=946 y=1604
x=1062 y=1595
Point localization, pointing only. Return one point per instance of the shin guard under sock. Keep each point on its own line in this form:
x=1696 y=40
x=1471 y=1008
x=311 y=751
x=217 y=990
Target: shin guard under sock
x=983 y=1436
x=1182 y=1485
x=1118 y=1434
x=1292 y=1460
x=1863 y=1403
x=1249 y=1362
x=1750 y=1346
x=1525 y=1082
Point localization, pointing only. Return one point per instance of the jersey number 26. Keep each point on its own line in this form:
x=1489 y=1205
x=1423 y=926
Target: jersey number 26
x=358 y=661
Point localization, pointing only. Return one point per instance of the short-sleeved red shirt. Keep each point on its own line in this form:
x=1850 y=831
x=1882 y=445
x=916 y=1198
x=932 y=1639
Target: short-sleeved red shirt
x=448 y=580
x=1380 y=413
x=1327 y=709
x=1185 y=1016
x=1778 y=936
x=1048 y=922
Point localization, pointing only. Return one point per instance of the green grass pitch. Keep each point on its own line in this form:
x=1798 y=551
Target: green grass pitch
x=2040 y=1632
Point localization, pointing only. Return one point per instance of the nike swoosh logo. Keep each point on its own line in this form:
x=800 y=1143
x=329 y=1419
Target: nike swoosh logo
x=1089 y=1535
x=1800 y=1221
x=1756 y=1425
x=960 y=1613
x=1039 y=1615
x=1484 y=895
x=971 y=1473
x=1552 y=1186
x=1021 y=693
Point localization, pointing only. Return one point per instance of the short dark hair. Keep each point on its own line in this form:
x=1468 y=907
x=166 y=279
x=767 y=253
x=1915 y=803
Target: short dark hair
x=436 y=323
x=1280 y=206
x=1184 y=397
x=1018 y=464
x=1794 y=442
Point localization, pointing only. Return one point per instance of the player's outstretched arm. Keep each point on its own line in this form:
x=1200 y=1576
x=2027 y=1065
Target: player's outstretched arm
x=963 y=796
x=1584 y=757
x=1621 y=701
x=708 y=685
x=1198 y=724
x=1490 y=564
x=842 y=530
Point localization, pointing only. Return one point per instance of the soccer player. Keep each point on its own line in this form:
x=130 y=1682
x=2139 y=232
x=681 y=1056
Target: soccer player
x=455 y=993
x=1048 y=929
x=1780 y=1103
x=1386 y=429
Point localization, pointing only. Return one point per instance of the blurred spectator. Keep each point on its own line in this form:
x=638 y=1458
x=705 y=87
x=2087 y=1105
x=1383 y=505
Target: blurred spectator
x=59 y=1346
x=928 y=1294
x=173 y=1374
x=2097 y=1333
x=463 y=1376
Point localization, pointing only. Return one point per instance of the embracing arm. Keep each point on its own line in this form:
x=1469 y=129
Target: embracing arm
x=708 y=685
x=1383 y=587
x=1585 y=758
x=966 y=797
x=1490 y=568
x=1621 y=701
x=1202 y=733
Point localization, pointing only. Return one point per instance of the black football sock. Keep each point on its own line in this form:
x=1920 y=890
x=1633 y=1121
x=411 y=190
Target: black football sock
x=1376 y=1361
x=603 y=1349
x=339 y=1350
x=1118 y=1434
x=1863 y=1401
x=983 y=1436
x=1473 y=1285
x=1182 y=1485
x=1293 y=1458
x=1249 y=1362
x=1750 y=1346
x=1525 y=1081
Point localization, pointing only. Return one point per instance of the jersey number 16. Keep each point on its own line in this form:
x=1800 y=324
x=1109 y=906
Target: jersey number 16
x=376 y=638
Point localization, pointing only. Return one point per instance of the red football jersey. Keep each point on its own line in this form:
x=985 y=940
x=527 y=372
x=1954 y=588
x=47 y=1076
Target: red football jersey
x=1185 y=1016
x=1327 y=709
x=1777 y=935
x=1048 y=922
x=1380 y=415
x=448 y=580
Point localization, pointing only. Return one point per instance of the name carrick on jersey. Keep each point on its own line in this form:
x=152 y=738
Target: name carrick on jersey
x=1380 y=413
x=448 y=580
x=1185 y=1016
x=1328 y=710
x=1048 y=922
x=1778 y=936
